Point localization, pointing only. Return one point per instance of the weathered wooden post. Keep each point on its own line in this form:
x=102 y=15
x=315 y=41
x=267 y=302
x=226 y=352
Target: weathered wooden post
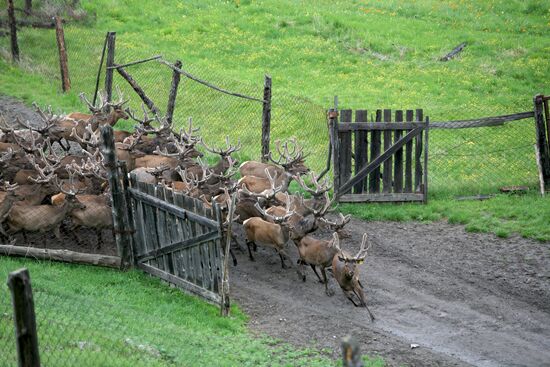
x=63 y=60
x=173 y=93
x=426 y=133
x=13 y=32
x=266 y=119
x=24 y=318
x=28 y=7
x=225 y=303
x=333 y=127
x=111 y=38
x=351 y=355
x=119 y=207
x=542 y=139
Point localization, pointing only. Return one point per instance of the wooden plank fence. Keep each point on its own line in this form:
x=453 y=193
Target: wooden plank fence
x=179 y=240
x=381 y=160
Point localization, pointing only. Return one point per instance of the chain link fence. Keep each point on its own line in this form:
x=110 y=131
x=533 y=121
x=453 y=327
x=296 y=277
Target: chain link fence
x=461 y=162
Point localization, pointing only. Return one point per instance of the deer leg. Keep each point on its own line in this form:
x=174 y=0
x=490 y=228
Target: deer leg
x=66 y=149
x=25 y=239
x=301 y=269
x=283 y=255
x=359 y=293
x=233 y=257
x=99 y=239
x=315 y=271
x=350 y=297
x=248 y=243
x=329 y=292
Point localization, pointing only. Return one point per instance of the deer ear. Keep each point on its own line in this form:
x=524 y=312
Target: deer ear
x=341 y=259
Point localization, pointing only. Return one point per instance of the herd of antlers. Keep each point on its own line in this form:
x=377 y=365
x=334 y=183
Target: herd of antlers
x=51 y=184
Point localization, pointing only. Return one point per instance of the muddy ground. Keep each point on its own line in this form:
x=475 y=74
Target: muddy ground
x=464 y=298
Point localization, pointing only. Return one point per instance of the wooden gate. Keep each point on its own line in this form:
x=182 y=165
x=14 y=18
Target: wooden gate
x=179 y=240
x=380 y=160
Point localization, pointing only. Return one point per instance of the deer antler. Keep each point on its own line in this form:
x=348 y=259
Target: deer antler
x=291 y=155
x=43 y=177
x=363 y=250
x=323 y=210
x=337 y=226
x=336 y=242
x=121 y=100
x=320 y=188
x=187 y=135
x=276 y=219
x=266 y=194
x=92 y=141
x=93 y=109
x=9 y=187
x=224 y=152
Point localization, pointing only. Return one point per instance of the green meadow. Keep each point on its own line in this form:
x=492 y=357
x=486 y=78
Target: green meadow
x=372 y=54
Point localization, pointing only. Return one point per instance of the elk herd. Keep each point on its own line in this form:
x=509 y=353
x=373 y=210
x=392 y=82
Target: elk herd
x=54 y=179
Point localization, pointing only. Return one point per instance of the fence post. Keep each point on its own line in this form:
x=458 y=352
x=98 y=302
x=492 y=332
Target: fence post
x=111 y=38
x=24 y=318
x=333 y=128
x=96 y=90
x=425 y=179
x=266 y=119
x=28 y=7
x=13 y=32
x=63 y=62
x=173 y=93
x=119 y=207
x=351 y=355
x=542 y=140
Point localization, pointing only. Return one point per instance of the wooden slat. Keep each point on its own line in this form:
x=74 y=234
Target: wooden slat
x=380 y=159
x=181 y=245
x=388 y=141
x=176 y=210
x=379 y=198
x=375 y=147
x=182 y=284
x=418 y=155
x=426 y=134
x=184 y=271
x=345 y=146
x=174 y=236
x=153 y=219
x=361 y=149
x=398 y=162
x=368 y=126
x=161 y=228
x=408 y=157
x=335 y=143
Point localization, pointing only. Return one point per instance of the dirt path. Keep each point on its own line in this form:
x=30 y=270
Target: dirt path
x=466 y=299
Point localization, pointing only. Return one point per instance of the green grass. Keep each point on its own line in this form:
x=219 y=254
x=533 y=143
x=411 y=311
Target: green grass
x=371 y=54
x=527 y=215
x=92 y=316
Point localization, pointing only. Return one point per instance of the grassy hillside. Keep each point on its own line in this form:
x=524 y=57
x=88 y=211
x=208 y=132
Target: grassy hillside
x=372 y=54
x=89 y=316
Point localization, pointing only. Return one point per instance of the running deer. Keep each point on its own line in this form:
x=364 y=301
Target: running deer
x=346 y=272
x=274 y=235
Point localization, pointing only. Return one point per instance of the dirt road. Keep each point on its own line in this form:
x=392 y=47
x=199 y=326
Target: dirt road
x=465 y=298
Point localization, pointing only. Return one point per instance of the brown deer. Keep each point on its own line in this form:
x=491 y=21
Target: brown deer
x=42 y=218
x=291 y=162
x=7 y=199
x=346 y=273
x=95 y=215
x=274 y=235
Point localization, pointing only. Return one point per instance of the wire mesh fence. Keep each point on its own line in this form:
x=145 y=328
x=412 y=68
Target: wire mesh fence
x=461 y=161
x=75 y=329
